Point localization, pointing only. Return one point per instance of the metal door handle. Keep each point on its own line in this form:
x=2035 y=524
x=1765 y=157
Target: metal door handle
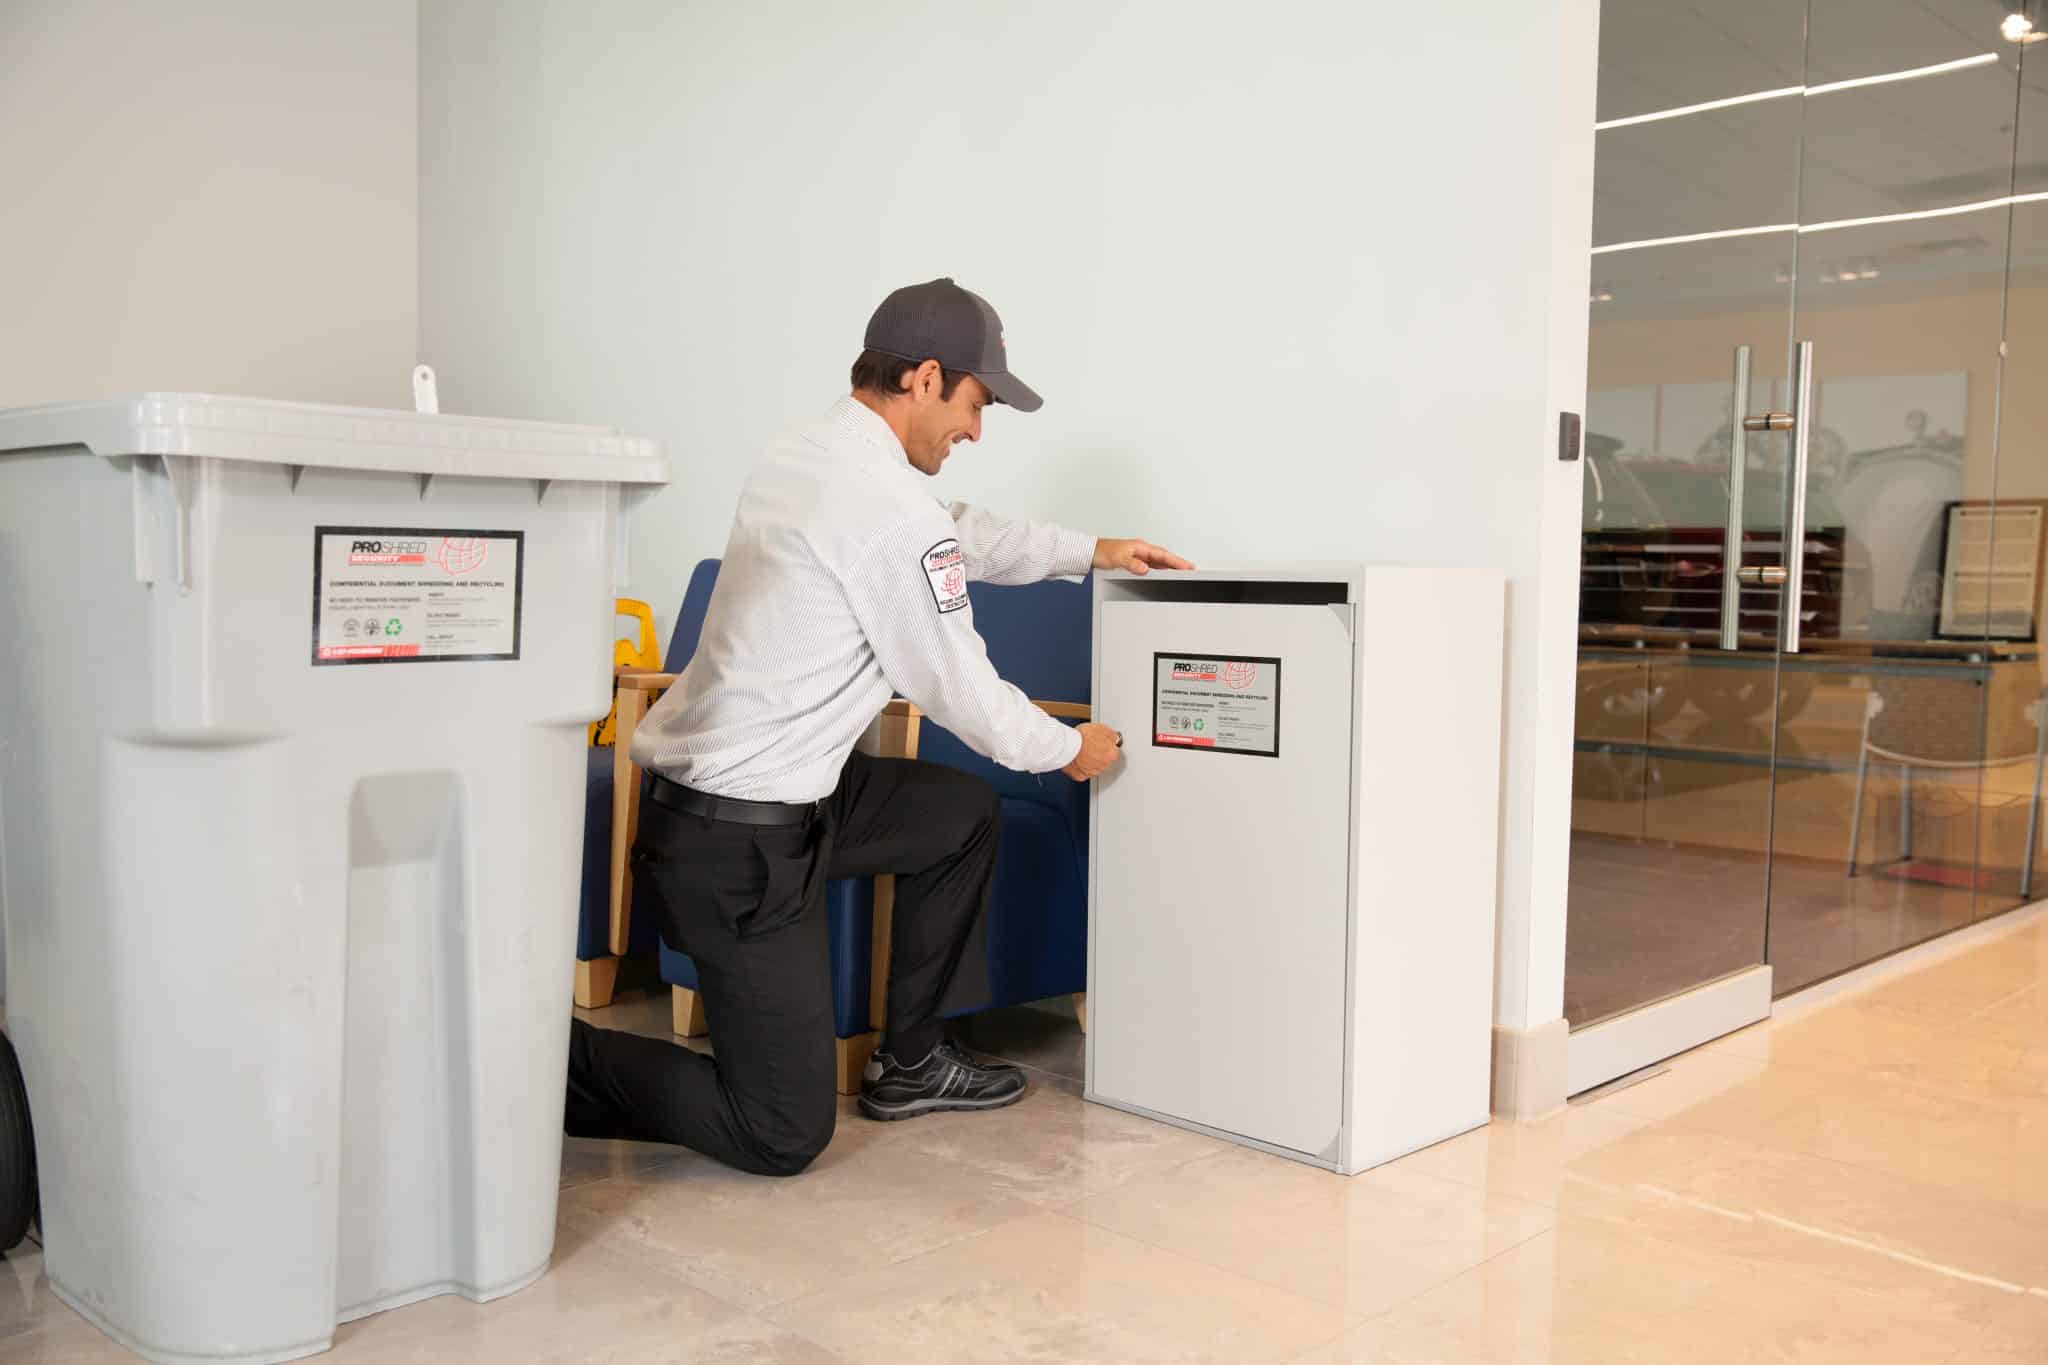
x=1731 y=537
x=1795 y=496
x=1792 y=576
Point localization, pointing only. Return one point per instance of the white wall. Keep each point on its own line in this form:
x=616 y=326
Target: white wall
x=219 y=197
x=1299 y=281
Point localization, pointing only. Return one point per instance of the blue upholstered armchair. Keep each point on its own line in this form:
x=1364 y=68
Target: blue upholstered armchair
x=1039 y=637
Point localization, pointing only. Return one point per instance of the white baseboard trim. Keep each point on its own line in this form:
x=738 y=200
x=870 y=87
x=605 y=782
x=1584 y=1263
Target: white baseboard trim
x=1529 y=1070
x=1949 y=945
x=1601 y=1052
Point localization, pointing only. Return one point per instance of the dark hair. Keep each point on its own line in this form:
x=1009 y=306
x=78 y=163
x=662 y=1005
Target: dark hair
x=874 y=372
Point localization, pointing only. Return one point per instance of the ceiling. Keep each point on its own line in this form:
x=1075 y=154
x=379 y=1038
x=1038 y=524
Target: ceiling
x=1953 y=138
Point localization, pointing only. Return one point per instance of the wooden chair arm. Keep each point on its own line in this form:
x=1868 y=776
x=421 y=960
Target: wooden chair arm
x=901 y=709
x=900 y=723
x=642 y=679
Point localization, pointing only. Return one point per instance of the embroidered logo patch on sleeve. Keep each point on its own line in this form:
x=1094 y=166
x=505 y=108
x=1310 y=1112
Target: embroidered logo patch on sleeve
x=945 y=568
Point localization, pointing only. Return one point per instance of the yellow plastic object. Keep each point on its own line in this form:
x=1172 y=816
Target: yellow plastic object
x=625 y=654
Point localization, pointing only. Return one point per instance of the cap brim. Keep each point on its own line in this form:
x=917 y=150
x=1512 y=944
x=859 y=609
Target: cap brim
x=1008 y=389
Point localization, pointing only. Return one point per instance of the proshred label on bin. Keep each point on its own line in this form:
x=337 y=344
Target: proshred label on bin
x=385 y=595
x=1216 y=703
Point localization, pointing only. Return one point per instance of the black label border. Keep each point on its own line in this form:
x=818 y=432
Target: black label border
x=1160 y=656
x=518 y=538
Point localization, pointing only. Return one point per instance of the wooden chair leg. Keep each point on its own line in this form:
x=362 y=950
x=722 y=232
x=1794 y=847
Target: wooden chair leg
x=1081 y=1009
x=853 y=1054
x=686 y=1012
x=595 y=981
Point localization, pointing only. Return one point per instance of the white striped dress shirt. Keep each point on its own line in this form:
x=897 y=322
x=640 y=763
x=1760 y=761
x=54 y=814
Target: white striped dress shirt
x=844 y=581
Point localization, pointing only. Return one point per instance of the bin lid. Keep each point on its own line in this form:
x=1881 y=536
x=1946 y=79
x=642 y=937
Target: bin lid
x=324 y=435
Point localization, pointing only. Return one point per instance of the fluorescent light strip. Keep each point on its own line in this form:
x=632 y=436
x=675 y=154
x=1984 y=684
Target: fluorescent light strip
x=1785 y=92
x=1804 y=228
x=1700 y=108
x=1948 y=212
x=1696 y=237
x=1960 y=64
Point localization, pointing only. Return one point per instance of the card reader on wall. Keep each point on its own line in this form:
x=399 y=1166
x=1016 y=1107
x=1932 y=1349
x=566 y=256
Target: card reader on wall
x=1292 y=872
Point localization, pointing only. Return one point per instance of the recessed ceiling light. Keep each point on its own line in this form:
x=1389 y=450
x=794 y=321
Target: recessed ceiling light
x=2018 y=28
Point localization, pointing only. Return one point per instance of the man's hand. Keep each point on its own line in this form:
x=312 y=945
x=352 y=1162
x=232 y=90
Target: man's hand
x=1138 y=556
x=1101 y=747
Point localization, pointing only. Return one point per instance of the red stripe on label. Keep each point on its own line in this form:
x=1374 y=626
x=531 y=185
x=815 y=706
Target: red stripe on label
x=1189 y=740
x=369 y=651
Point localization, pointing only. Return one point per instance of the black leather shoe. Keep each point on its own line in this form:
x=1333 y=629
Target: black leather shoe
x=947 y=1079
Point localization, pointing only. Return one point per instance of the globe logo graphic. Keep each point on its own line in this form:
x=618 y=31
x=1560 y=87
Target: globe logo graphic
x=1240 y=676
x=460 y=554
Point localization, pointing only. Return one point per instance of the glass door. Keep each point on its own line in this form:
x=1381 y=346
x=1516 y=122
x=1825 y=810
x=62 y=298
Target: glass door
x=1812 y=729
x=1696 y=184
x=2010 y=834
x=1904 y=751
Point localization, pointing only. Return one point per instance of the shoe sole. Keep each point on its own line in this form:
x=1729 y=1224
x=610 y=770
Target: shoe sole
x=915 y=1108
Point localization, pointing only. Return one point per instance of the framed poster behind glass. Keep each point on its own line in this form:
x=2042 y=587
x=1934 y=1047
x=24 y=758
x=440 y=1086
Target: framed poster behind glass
x=1991 y=559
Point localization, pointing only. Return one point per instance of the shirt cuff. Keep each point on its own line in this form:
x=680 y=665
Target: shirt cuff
x=1068 y=761
x=1075 y=554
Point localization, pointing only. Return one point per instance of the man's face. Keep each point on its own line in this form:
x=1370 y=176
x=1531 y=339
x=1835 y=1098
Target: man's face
x=938 y=424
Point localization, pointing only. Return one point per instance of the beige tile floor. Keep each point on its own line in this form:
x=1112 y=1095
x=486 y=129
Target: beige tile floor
x=1865 y=1180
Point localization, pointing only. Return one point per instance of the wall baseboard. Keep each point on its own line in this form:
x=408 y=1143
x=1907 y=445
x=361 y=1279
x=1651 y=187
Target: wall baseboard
x=1529 y=1070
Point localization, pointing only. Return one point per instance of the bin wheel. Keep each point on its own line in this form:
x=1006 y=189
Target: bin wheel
x=17 y=1152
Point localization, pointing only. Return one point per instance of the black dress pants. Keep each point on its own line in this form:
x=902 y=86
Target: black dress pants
x=747 y=903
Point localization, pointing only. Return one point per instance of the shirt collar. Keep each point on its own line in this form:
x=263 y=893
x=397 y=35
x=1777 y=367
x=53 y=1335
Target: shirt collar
x=851 y=417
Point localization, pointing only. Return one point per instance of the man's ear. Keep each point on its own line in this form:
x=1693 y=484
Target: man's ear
x=926 y=379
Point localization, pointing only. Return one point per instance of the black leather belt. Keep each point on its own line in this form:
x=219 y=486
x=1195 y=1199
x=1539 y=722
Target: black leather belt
x=675 y=796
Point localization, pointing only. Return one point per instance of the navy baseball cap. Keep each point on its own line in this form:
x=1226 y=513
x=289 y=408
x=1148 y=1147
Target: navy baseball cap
x=938 y=320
